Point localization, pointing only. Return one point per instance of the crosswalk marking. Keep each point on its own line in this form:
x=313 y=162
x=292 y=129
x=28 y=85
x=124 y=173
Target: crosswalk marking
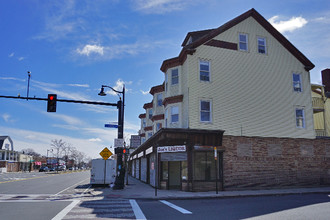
x=182 y=210
x=136 y=209
x=66 y=210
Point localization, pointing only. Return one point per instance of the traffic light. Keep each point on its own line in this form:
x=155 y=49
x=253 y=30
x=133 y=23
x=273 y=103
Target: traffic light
x=51 y=104
x=118 y=150
x=125 y=151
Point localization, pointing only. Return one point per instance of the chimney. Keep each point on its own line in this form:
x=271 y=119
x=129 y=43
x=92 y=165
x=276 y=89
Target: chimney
x=326 y=79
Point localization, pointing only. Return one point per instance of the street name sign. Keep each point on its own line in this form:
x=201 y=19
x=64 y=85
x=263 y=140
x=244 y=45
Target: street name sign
x=111 y=126
x=105 y=153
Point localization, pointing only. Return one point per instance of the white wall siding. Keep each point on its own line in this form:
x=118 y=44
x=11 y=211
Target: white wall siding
x=252 y=94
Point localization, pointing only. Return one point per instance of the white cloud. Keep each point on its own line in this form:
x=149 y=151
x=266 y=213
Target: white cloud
x=89 y=49
x=20 y=58
x=79 y=85
x=288 y=25
x=11 y=55
x=160 y=6
x=6 y=117
x=144 y=92
x=95 y=140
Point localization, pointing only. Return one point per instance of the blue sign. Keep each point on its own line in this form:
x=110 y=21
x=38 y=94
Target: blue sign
x=110 y=126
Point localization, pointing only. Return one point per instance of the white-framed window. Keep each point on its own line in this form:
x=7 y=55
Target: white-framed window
x=243 y=42
x=174 y=114
x=144 y=123
x=262 y=47
x=150 y=113
x=204 y=70
x=300 y=118
x=165 y=117
x=297 y=83
x=149 y=135
x=174 y=76
x=159 y=99
x=143 y=140
x=205 y=111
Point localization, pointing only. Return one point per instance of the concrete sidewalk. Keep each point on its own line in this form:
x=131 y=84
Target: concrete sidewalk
x=139 y=190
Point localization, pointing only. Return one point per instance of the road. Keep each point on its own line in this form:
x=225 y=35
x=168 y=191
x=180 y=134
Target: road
x=69 y=196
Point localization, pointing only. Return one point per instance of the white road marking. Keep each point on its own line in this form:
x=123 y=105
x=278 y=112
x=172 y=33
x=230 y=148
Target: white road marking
x=182 y=210
x=66 y=210
x=136 y=209
x=70 y=187
x=86 y=190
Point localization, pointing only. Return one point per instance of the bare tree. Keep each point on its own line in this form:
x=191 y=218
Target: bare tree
x=58 y=145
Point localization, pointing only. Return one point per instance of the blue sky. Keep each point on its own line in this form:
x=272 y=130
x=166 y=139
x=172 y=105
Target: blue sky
x=72 y=47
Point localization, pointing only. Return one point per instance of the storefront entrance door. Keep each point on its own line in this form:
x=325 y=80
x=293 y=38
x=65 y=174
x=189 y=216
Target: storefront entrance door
x=174 y=175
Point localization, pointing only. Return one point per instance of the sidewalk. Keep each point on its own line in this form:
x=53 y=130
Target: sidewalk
x=139 y=190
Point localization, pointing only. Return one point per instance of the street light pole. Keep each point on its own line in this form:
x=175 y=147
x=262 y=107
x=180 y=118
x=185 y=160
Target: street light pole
x=119 y=182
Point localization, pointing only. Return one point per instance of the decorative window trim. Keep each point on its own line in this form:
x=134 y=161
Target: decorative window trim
x=259 y=45
x=205 y=111
x=174 y=78
x=297 y=85
x=175 y=114
x=208 y=62
x=243 y=42
x=300 y=116
x=159 y=99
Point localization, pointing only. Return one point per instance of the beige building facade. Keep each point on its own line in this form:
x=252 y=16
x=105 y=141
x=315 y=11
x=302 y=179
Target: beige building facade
x=240 y=92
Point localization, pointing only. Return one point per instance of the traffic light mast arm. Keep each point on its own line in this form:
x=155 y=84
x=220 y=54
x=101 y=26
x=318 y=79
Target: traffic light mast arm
x=60 y=100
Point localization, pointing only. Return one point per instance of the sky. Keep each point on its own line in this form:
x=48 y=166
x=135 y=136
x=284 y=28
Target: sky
x=72 y=47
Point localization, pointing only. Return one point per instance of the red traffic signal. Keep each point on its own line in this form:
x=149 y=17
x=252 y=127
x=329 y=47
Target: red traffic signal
x=124 y=151
x=51 y=103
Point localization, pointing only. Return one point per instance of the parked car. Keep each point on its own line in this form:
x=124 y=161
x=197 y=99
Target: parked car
x=44 y=169
x=52 y=169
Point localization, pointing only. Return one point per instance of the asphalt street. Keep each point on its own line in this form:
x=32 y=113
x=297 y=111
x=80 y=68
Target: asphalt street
x=69 y=196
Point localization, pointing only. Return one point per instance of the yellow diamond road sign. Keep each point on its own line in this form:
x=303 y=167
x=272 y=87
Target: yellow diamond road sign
x=105 y=153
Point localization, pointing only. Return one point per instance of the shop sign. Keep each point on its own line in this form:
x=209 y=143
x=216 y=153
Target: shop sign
x=140 y=154
x=149 y=150
x=181 y=148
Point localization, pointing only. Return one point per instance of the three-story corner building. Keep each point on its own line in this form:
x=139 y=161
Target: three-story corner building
x=236 y=111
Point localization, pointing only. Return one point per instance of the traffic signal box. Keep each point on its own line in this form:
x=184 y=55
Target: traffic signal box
x=51 y=104
x=120 y=150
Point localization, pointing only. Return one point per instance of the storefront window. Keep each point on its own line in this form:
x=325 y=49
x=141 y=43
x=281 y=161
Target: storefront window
x=184 y=171
x=204 y=166
x=164 y=170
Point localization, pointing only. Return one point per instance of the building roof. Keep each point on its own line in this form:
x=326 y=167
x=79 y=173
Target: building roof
x=201 y=37
x=2 y=140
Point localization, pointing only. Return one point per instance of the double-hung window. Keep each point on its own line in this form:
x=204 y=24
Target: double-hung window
x=297 y=82
x=150 y=114
x=174 y=114
x=204 y=70
x=243 y=42
x=143 y=122
x=262 y=45
x=205 y=111
x=159 y=99
x=175 y=76
x=300 y=118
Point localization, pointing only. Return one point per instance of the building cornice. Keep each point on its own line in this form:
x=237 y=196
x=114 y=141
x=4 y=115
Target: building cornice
x=172 y=100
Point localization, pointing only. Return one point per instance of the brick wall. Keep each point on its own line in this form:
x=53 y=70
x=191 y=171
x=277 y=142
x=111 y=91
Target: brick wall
x=256 y=162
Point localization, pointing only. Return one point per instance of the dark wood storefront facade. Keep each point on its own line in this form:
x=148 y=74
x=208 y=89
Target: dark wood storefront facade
x=196 y=166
